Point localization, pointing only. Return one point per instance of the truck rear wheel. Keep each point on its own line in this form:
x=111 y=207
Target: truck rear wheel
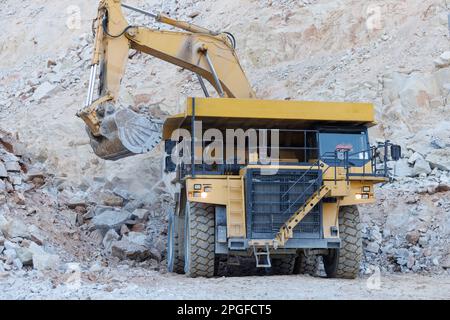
x=284 y=265
x=350 y=254
x=199 y=240
x=306 y=264
x=175 y=247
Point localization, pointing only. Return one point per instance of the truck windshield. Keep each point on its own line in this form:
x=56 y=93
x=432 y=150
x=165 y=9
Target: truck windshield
x=355 y=142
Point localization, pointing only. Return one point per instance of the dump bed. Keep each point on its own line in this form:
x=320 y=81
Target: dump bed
x=253 y=113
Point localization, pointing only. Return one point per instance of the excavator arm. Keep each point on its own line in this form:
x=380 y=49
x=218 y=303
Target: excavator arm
x=119 y=133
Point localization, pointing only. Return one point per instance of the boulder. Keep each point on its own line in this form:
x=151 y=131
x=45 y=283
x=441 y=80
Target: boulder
x=421 y=167
x=36 y=235
x=113 y=200
x=43 y=260
x=125 y=249
x=110 y=220
x=372 y=247
x=140 y=214
x=415 y=156
x=43 y=91
x=24 y=255
x=3 y=172
x=15 y=229
x=109 y=238
x=137 y=238
x=402 y=168
x=439 y=158
x=12 y=166
x=443 y=60
x=413 y=237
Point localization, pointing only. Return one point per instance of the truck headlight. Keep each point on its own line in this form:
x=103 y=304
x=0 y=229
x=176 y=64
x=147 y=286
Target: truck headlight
x=204 y=195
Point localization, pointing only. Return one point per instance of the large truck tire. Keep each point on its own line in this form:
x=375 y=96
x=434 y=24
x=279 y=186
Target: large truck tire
x=199 y=240
x=306 y=264
x=175 y=244
x=350 y=254
x=284 y=265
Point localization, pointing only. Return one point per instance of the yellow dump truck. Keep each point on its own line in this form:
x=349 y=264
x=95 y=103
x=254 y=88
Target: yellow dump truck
x=279 y=181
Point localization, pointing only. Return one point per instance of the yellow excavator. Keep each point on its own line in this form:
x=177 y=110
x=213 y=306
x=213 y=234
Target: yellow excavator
x=119 y=133
x=286 y=212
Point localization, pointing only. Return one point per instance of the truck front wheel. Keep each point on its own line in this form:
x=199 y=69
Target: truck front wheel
x=345 y=262
x=199 y=240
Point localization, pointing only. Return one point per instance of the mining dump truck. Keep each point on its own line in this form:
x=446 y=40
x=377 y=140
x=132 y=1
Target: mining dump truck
x=278 y=181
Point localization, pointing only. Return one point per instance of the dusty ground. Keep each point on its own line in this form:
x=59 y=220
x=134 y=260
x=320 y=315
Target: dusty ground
x=143 y=284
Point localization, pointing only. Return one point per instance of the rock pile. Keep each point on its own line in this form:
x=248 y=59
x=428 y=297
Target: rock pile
x=408 y=230
x=21 y=244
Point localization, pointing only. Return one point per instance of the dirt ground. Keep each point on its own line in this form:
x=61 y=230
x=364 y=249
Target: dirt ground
x=145 y=284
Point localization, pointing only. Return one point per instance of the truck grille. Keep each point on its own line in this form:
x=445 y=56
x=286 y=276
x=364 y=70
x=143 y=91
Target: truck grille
x=272 y=199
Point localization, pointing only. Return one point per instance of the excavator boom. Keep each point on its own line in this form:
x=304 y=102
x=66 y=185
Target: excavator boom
x=119 y=133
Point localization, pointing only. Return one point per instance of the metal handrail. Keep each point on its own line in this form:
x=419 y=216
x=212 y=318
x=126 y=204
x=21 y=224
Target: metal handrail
x=302 y=195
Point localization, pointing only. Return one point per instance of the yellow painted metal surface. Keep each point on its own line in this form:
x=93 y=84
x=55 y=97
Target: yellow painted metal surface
x=224 y=190
x=330 y=214
x=287 y=230
x=254 y=111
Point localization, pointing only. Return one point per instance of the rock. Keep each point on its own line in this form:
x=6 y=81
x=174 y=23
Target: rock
x=124 y=230
x=125 y=249
x=402 y=256
x=140 y=214
x=36 y=235
x=3 y=223
x=109 y=238
x=96 y=237
x=155 y=254
x=137 y=238
x=413 y=237
x=194 y=14
x=24 y=255
x=402 y=168
x=12 y=166
x=33 y=173
x=17 y=263
x=3 y=172
x=443 y=60
x=138 y=227
x=43 y=260
x=446 y=262
x=110 y=220
x=43 y=91
x=421 y=167
x=76 y=202
x=96 y=267
x=113 y=201
x=16 y=229
x=373 y=247
x=410 y=262
x=10 y=255
x=416 y=156
x=437 y=143
x=439 y=158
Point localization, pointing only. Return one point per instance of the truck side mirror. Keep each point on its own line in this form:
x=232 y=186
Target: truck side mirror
x=396 y=152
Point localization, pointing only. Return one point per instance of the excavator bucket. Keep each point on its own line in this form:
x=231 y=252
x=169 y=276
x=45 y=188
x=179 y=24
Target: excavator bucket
x=125 y=133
